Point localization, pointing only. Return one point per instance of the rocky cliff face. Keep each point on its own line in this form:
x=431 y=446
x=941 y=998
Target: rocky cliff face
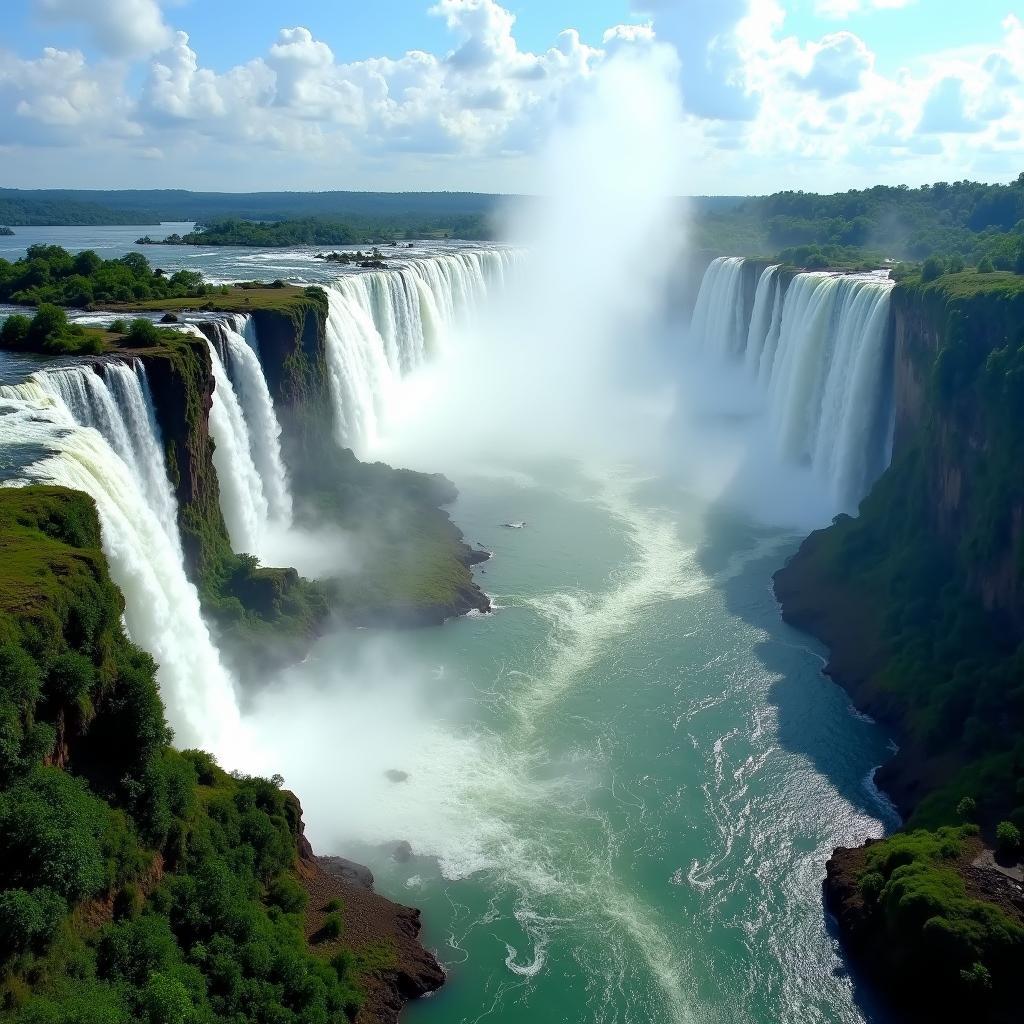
x=941 y=405
x=181 y=381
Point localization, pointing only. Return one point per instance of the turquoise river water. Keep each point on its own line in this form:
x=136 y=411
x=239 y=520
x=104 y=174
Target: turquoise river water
x=623 y=787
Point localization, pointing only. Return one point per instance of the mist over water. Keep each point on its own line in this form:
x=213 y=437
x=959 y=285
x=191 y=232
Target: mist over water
x=620 y=789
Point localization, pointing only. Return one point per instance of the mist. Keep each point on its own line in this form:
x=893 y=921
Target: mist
x=562 y=360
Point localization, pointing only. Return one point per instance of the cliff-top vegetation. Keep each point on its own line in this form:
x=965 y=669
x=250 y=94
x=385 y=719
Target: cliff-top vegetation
x=137 y=882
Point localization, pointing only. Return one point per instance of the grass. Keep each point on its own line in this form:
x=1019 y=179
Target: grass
x=291 y=300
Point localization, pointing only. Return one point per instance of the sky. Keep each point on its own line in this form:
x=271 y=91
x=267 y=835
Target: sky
x=241 y=95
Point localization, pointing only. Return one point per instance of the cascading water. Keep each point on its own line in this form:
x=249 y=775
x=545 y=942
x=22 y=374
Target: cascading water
x=240 y=347
x=118 y=404
x=383 y=325
x=162 y=611
x=718 y=324
x=820 y=347
x=242 y=499
x=829 y=389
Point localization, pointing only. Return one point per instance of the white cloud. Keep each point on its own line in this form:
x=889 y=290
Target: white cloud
x=838 y=65
x=844 y=8
x=765 y=107
x=120 y=28
x=58 y=98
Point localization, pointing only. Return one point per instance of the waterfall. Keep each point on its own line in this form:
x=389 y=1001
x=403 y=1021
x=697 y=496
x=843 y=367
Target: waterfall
x=119 y=405
x=766 y=312
x=241 y=348
x=820 y=349
x=383 y=325
x=162 y=611
x=242 y=499
x=829 y=389
x=718 y=322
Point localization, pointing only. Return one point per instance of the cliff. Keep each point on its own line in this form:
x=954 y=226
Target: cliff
x=414 y=567
x=138 y=882
x=920 y=601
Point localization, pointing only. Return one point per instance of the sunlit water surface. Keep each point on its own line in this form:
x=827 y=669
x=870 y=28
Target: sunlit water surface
x=622 y=788
x=628 y=780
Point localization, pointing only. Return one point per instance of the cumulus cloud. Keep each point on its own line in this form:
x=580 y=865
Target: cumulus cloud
x=762 y=102
x=706 y=37
x=838 y=65
x=120 y=28
x=57 y=98
x=945 y=109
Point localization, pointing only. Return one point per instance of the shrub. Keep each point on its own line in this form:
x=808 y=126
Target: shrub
x=27 y=919
x=1007 y=838
x=332 y=906
x=49 y=322
x=932 y=269
x=956 y=264
x=976 y=979
x=967 y=809
x=985 y=266
x=118 y=326
x=286 y=893
x=144 y=333
x=14 y=332
x=332 y=928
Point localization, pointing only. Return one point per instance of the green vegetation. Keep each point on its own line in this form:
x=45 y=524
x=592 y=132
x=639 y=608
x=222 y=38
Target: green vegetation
x=905 y=590
x=402 y=209
x=294 y=301
x=28 y=208
x=964 y=219
x=48 y=273
x=929 y=924
x=413 y=562
x=137 y=883
x=321 y=231
x=49 y=332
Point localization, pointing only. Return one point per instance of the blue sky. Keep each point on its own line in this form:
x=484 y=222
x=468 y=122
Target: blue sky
x=238 y=94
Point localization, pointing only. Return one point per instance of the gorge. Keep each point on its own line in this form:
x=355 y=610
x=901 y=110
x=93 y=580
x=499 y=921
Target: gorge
x=551 y=820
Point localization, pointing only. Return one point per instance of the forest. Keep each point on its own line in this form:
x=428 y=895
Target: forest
x=49 y=273
x=970 y=222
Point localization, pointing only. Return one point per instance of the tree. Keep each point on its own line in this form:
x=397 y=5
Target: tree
x=932 y=269
x=1007 y=838
x=49 y=322
x=1018 y=263
x=14 y=332
x=956 y=263
x=985 y=266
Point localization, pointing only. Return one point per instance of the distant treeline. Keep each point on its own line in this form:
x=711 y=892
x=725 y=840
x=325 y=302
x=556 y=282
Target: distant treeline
x=964 y=219
x=31 y=208
x=321 y=231
x=362 y=209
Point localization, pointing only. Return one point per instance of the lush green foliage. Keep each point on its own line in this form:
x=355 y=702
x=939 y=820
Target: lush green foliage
x=50 y=274
x=966 y=220
x=149 y=207
x=912 y=886
x=137 y=883
x=320 y=231
x=18 y=207
x=49 y=331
